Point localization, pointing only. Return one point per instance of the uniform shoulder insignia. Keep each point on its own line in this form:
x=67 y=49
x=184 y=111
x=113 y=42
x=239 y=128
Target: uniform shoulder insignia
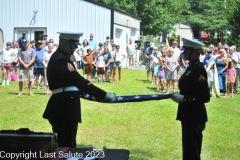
x=70 y=67
x=201 y=78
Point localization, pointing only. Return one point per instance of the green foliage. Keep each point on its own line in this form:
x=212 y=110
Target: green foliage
x=202 y=15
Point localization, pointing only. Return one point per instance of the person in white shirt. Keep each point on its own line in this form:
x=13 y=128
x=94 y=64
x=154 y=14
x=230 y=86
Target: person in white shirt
x=6 y=58
x=233 y=56
x=46 y=57
x=118 y=58
x=131 y=50
x=100 y=66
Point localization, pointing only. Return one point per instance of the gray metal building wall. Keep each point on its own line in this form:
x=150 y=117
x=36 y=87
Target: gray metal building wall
x=55 y=15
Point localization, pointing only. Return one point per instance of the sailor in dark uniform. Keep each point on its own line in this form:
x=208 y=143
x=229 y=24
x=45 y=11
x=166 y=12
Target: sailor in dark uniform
x=63 y=109
x=193 y=94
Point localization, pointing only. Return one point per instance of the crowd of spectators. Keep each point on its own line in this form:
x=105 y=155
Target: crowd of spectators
x=222 y=64
x=31 y=59
x=104 y=59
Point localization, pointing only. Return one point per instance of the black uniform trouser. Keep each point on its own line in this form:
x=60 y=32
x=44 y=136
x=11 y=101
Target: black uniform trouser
x=67 y=132
x=192 y=140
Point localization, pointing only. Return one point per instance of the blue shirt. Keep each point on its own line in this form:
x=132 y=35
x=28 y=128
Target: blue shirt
x=20 y=42
x=39 y=57
x=92 y=43
x=207 y=60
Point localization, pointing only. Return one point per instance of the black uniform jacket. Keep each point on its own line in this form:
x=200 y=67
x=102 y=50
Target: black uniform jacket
x=194 y=86
x=65 y=106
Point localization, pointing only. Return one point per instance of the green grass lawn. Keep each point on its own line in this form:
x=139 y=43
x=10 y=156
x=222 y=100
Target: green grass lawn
x=148 y=129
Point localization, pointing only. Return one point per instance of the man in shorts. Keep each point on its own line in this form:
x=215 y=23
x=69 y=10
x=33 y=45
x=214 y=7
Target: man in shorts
x=38 y=65
x=26 y=59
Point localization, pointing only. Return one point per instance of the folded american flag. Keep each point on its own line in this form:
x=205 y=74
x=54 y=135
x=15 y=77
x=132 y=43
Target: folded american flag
x=132 y=98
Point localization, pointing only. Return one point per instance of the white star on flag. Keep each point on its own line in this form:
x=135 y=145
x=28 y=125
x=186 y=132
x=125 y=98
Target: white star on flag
x=137 y=97
x=120 y=98
x=87 y=96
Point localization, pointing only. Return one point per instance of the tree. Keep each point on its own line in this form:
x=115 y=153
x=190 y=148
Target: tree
x=156 y=15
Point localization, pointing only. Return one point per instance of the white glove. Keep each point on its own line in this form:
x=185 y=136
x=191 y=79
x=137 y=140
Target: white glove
x=110 y=97
x=177 y=97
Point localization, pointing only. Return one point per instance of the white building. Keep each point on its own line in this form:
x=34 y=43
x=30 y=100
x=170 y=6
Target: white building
x=39 y=17
x=183 y=30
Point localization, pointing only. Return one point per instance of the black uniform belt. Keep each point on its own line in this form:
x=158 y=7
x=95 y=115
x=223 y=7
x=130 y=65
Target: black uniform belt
x=64 y=89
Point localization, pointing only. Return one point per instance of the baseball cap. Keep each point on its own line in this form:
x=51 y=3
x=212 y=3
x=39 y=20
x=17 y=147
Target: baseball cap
x=39 y=42
x=225 y=46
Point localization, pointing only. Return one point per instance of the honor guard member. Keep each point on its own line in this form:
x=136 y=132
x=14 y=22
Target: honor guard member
x=63 y=109
x=193 y=94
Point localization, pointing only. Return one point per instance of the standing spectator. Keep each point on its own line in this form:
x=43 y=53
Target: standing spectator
x=164 y=55
x=171 y=73
x=92 y=42
x=100 y=48
x=6 y=58
x=78 y=58
x=202 y=56
x=15 y=62
x=177 y=51
x=233 y=57
x=131 y=50
x=182 y=64
x=84 y=53
x=22 y=40
x=161 y=76
x=100 y=66
x=107 y=58
x=112 y=51
x=237 y=72
x=46 y=57
x=33 y=44
x=222 y=65
x=89 y=60
x=149 y=51
x=220 y=46
x=26 y=59
x=158 y=53
x=155 y=67
x=118 y=58
x=208 y=59
x=215 y=53
x=226 y=47
x=211 y=47
x=96 y=55
x=231 y=76
x=38 y=65
x=45 y=40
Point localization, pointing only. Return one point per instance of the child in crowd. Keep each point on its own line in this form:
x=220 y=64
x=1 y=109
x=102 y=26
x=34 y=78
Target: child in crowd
x=100 y=66
x=89 y=60
x=211 y=73
x=161 y=72
x=231 y=76
x=154 y=66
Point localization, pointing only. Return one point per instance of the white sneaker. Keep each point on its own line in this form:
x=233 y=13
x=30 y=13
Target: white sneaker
x=7 y=83
x=3 y=83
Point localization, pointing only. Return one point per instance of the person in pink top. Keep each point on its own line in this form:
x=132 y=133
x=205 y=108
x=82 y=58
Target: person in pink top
x=231 y=76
